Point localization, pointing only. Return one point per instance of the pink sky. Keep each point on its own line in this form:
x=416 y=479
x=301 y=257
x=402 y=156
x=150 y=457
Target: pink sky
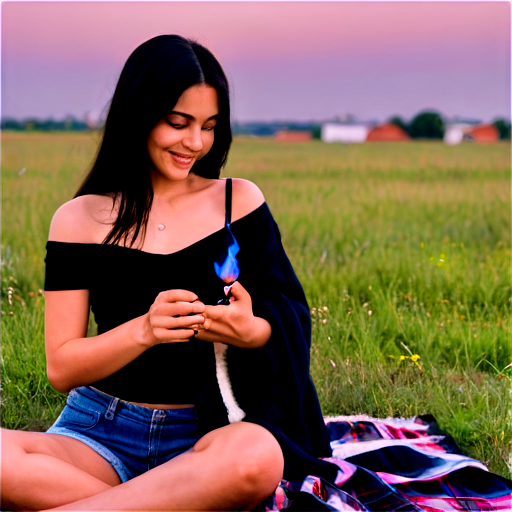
x=288 y=60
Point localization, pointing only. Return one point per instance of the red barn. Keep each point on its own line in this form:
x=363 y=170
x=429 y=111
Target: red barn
x=387 y=132
x=483 y=133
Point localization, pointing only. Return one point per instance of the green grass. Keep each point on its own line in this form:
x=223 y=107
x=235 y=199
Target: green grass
x=402 y=248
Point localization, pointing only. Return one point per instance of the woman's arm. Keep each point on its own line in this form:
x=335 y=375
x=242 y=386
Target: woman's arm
x=74 y=360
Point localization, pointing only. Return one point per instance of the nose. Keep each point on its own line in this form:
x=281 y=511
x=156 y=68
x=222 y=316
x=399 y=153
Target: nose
x=194 y=139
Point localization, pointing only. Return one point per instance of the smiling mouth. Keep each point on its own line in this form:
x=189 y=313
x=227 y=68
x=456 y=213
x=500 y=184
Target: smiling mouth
x=182 y=159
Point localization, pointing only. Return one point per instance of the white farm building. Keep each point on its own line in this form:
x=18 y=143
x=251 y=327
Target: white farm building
x=454 y=133
x=347 y=133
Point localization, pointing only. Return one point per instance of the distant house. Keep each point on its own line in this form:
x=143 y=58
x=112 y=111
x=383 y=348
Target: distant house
x=387 y=132
x=349 y=133
x=293 y=136
x=455 y=133
x=483 y=133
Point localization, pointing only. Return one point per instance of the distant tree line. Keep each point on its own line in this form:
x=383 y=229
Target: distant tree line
x=503 y=127
x=425 y=125
x=46 y=125
x=430 y=125
x=270 y=128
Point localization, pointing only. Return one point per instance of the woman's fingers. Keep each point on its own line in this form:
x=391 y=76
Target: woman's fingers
x=172 y=335
x=238 y=292
x=177 y=315
x=228 y=322
x=215 y=312
x=174 y=309
x=171 y=322
x=176 y=296
x=173 y=315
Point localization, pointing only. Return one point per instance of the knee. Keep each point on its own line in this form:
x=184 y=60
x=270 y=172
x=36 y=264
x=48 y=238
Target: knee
x=259 y=461
x=249 y=458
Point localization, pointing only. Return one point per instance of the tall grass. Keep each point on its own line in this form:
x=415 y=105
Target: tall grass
x=403 y=250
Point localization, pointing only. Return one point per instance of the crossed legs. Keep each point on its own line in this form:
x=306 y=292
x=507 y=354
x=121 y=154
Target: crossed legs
x=234 y=467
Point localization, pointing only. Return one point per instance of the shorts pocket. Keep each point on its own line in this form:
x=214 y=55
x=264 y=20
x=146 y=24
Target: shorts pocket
x=79 y=417
x=80 y=412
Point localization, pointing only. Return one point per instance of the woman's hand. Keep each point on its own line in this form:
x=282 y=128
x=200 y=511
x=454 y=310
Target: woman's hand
x=234 y=324
x=173 y=317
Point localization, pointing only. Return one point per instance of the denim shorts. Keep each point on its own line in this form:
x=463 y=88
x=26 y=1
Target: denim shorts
x=132 y=438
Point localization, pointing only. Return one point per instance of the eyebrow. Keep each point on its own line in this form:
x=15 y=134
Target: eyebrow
x=188 y=116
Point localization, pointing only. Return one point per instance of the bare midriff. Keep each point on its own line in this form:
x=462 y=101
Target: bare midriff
x=150 y=406
x=164 y=406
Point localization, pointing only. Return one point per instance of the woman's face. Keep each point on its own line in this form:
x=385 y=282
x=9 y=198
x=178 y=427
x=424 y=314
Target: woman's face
x=185 y=135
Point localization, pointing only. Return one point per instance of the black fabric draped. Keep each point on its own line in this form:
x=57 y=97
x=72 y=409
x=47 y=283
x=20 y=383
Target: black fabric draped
x=271 y=384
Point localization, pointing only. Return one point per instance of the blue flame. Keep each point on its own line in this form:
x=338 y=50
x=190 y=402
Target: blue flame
x=229 y=270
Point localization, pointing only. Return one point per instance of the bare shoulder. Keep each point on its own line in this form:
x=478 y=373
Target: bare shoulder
x=247 y=197
x=85 y=219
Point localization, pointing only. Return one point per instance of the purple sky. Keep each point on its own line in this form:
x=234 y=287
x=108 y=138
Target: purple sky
x=286 y=60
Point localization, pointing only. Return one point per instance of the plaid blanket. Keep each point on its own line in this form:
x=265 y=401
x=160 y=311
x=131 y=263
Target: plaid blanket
x=395 y=465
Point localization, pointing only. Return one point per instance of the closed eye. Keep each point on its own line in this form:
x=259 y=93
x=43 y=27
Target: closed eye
x=176 y=125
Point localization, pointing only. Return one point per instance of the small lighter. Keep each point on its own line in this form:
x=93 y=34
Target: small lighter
x=227 y=294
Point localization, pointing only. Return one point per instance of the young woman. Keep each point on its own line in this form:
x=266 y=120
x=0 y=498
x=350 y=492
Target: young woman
x=152 y=420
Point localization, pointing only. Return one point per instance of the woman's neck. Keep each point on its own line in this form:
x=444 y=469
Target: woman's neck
x=171 y=189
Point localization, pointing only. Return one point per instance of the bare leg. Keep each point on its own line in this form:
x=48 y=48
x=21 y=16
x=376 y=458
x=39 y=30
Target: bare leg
x=231 y=468
x=42 y=470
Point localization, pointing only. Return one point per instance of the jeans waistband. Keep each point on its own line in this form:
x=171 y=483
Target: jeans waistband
x=112 y=403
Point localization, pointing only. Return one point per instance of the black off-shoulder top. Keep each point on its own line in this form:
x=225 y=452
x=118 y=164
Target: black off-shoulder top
x=123 y=283
x=271 y=384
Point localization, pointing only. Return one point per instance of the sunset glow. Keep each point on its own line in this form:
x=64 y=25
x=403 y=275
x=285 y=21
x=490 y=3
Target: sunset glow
x=288 y=60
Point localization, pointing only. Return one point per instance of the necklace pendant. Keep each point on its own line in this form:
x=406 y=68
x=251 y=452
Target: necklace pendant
x=161 y=227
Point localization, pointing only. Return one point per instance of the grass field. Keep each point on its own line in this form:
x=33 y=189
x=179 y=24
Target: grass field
x=403 y=250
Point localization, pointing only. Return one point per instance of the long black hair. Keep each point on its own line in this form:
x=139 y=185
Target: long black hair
x=154 y=77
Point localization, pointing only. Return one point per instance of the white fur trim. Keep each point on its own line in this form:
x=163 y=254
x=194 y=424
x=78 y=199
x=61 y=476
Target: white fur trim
x=235 y=413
